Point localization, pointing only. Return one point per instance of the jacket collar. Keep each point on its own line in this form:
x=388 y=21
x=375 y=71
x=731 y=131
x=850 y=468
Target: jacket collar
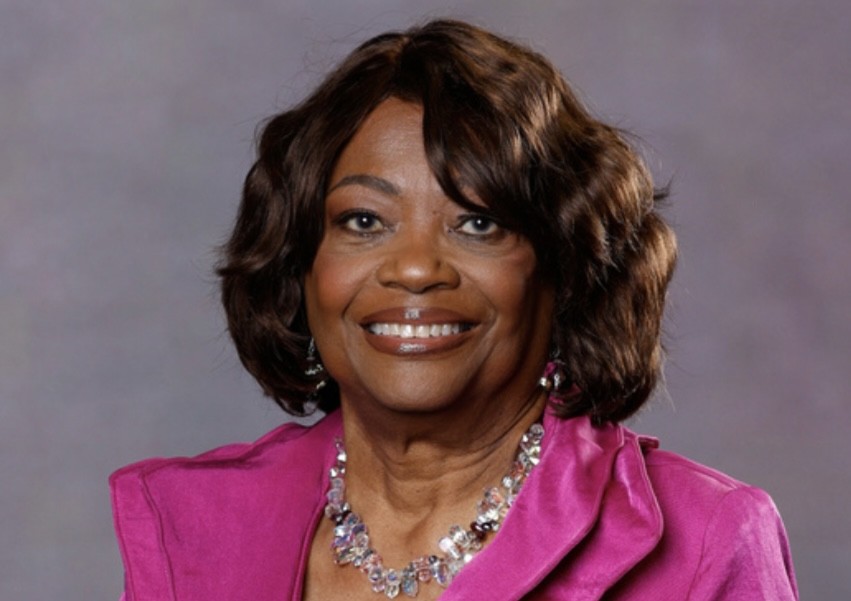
x=590 y=487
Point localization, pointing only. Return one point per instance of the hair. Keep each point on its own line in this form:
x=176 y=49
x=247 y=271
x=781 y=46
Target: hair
x=499 y=117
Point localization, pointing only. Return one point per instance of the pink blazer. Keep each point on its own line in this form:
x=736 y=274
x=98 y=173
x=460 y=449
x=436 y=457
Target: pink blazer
x=605 y=515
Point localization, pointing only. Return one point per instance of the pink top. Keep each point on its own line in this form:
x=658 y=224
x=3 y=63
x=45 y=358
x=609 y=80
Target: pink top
x=604 y=514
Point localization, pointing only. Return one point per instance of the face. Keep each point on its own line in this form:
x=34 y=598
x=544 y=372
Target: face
x=415 y=302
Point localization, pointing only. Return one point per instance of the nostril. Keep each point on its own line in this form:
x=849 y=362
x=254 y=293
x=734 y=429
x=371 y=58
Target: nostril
x=417 y=272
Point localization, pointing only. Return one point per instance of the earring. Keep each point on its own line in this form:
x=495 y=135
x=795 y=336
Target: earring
x=314 y=365
x=313 y=369
x=555 y=373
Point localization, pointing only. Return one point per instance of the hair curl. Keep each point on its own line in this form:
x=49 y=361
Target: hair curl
x=500 y=118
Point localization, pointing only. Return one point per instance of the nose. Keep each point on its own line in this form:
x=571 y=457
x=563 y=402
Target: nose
x=416 y=262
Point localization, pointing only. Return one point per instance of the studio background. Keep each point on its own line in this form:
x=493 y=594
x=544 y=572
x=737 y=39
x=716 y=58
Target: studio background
x=126 y=129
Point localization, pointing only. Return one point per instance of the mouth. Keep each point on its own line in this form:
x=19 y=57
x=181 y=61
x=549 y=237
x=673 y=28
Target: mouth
x=417 y=331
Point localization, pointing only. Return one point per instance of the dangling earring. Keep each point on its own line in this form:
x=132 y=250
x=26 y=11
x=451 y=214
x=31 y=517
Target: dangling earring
x=313 y=369
x=555 y=373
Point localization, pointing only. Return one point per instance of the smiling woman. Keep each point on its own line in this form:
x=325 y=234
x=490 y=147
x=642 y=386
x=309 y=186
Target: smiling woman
x=398 y=258
x=443 y=251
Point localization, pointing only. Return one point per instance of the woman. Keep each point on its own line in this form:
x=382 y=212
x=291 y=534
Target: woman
x=442 y=250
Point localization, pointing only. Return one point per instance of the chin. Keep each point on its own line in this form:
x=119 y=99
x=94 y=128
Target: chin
x=413 y=395
x=418 y=401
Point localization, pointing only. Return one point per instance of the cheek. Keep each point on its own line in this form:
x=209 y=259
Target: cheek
x=329 y=288
x=514 y=285
x=329 y=291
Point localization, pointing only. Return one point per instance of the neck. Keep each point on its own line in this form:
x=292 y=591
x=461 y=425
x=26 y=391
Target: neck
x=411 y=476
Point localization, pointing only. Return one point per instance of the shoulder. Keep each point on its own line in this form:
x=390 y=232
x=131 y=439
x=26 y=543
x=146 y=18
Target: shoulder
x=288 y=448
x=676 y=477
x=693 y=493
x=721 y=534
x=192 y=515
x=287 y=440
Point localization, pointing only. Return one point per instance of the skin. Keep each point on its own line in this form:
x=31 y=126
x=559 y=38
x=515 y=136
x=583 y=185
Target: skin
x=429 y=424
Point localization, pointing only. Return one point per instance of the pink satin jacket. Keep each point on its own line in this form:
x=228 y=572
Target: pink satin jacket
x=605 y=515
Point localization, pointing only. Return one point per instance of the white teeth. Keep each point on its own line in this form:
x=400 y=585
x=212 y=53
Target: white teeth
x=407 y=330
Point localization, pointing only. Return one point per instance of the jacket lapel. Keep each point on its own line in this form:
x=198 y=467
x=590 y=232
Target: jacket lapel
x=585 y=516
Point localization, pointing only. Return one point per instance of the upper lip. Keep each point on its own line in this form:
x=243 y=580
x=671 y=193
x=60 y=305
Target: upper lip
x=416 y=315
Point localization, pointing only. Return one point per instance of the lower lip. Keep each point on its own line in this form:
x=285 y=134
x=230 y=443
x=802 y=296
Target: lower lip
x=395 y=345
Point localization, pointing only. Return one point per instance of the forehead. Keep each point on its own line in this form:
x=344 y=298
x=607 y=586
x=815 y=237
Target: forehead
x=393 y=126
x=389 y=143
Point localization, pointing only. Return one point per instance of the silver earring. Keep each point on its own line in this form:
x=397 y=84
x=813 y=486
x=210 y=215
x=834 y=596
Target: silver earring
x=555 y=373
x=314 y=368
x=314 y=365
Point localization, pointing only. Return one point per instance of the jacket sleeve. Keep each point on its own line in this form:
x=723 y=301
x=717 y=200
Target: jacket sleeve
x=745 y=553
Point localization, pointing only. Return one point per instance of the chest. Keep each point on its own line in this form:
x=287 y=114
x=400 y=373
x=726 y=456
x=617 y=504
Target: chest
x=326 y=581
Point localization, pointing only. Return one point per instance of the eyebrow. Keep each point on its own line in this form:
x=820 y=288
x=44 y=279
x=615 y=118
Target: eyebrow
x=369 y=181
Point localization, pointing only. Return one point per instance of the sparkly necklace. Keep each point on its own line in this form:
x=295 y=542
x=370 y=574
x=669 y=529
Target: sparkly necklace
x=351 y=537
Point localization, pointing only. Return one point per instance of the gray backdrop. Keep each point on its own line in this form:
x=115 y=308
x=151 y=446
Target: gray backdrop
x=126 y=129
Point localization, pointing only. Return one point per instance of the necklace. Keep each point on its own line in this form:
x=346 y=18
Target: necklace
x=351 y=537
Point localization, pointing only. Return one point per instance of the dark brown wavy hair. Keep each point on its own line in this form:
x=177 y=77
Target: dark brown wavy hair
x=500 y=118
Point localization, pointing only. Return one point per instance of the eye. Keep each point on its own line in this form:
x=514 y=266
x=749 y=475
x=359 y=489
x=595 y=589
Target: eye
x=477 y=225
x=360 y=222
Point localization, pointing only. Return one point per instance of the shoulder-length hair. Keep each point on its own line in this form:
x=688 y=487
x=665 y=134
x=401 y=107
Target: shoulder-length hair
x=501 y=119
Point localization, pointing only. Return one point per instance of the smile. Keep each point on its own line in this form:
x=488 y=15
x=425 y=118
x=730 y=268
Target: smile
x=407 y=330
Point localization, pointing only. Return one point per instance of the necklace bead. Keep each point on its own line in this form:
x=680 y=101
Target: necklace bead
x=351 y=537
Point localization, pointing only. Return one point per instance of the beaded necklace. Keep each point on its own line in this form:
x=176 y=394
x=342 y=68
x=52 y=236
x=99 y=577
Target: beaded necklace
x=351 y=537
